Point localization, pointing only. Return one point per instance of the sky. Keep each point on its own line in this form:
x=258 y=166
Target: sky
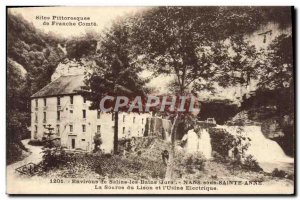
x=104 y=17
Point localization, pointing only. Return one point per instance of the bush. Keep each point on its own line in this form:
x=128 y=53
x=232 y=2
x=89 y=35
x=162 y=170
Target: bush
x=54 y=157
x=97 y=142
x=190 y=163
x=281 y=174
x=131 y=166
x=221 y=141
x=251 y=164
x=14 y=153
x=218 y=158
x=36 y=142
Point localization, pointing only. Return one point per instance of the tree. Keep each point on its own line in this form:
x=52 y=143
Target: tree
x=278 y=65
x=194 y=44
x=116 y=73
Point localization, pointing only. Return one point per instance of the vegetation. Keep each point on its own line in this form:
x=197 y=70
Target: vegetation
x=97 y=142
x=251 y=164
x=221 y=141
x=282 y=174
x=32 y=58
x=202 y=47
x=115 y=73
x=145 y=163
x=37 y=142
x=53 y=157
x=189 y=164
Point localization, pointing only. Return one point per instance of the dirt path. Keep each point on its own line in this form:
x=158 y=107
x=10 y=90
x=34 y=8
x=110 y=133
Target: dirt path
x=34 y=157
x=15 y=178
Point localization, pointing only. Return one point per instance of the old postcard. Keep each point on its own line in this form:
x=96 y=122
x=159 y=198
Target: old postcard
x=150 y=100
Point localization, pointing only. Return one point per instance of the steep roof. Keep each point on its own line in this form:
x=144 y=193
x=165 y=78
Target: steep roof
x=63 y=85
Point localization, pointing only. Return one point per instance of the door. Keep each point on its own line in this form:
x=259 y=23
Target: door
x=73 y=143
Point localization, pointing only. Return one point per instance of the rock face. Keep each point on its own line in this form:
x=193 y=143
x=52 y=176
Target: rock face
x=241 y=119
x=17 y=66
x=271 y=128
x=72 y=67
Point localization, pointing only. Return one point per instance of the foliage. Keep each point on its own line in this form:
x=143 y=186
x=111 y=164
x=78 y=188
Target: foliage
x=97 y=142
x=278 y=67
x=36 y=142
x=251 y=164
x=146 y=165
x=276 y=77
x=16 y=131
x=221 y=141
x=281 y=174
x=116 y=73
x=79 y=48
x=190 y=163
x=54 y=157
x=32 y=57
x=200 y=47
x=36 y=51
x=193 y=42
x=15 y=152
x=132 y=166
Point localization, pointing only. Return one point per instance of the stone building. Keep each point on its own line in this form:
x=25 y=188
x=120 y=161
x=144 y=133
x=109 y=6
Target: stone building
x=61 y=105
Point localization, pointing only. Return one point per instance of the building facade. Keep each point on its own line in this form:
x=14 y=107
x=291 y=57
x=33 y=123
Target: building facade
x=61 y=106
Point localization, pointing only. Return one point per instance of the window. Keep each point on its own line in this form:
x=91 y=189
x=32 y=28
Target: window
x=124 y=118
x=142 y=130
x=84 y=99
x=123 y=131
x=82 y=140
x=45 y=117
x=84 y=114
x=83 y=128
x=133 y=119
x=58 y=115
x=36 y=117
x=98 y=114
x=98 y=128
x=143 y=121
x=58 y=129
x=58 y=101
x=45 y=102
x=36 y=103
x=71 y=128
x=35 y=131
x=71 y=111
x=71 y=99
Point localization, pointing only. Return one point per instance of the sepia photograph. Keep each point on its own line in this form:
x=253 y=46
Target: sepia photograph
x=161 y=100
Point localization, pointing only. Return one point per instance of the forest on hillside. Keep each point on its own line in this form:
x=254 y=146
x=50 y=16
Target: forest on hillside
x=32 y=57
